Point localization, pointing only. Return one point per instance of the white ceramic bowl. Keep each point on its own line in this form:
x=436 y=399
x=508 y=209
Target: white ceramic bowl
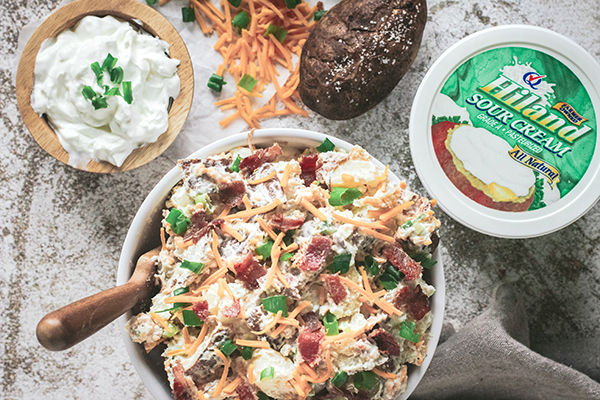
x=143 y=236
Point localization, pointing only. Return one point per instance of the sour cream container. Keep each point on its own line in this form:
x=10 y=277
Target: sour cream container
x=504 y=134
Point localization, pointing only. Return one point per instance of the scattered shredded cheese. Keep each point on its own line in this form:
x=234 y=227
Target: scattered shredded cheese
x=362 y=224
x=215 y=249
x=385 y=375
x=270 y=325
x=306 y=204
x=253 y=343
x=395 y=211
x=286 y=175
x=251 y=374
x=232 y=232
x=233 y=385
x=263 y=179
x=254 y=211
x=378 y=235
x=223 y=380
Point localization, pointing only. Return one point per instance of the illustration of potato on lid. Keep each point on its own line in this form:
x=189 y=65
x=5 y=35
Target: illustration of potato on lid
x=483 y=165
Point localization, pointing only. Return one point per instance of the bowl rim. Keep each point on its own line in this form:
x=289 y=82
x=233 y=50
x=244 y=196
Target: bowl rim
x=134 y=246
x=137 y=14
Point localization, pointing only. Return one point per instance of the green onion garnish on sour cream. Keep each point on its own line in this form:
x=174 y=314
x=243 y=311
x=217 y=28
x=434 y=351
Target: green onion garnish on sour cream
x=116 y=77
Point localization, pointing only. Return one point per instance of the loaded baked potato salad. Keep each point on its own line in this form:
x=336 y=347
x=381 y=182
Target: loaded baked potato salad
x=290 y=274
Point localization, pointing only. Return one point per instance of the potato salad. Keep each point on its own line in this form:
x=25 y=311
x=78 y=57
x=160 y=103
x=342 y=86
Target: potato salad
x=290 y=273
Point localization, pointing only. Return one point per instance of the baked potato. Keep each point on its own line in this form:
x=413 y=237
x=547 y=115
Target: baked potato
x=357 y=54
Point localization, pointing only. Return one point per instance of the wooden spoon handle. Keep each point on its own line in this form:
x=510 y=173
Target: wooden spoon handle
x=73 y=323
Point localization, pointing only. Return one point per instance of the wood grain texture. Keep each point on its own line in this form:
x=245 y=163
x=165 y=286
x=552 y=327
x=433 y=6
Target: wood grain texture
x=65 y=18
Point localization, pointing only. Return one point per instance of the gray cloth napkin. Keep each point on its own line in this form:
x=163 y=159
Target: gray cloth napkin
x=490 y=358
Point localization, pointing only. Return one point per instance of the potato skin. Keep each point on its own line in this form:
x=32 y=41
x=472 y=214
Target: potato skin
x=357 y=54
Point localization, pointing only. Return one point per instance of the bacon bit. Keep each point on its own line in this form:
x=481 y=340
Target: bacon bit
x=201 y=310
x=223 y=380
x=259 y=157
x=183 y=387
x=263 y=179
x=378 y=235
x=336 y=290
x=395 y=211
x=309 y=166
x=228 y=229
x=233 y=385
x=215 y=249
x=315 y=253
x=306 y=204
x=265 y=227
x=309 y=343
x=286 y=175
x=384 y=375
x=399 y=259
x=162 y=239
x=362 y=224
x=415 y=302
x=199 y=227
x=270 y=325
x=253 y=343
x=232 y=311
x=250 y=374
x=244 y=391
x=249 y=270
x=285 y=224
x=232 y=193
x=385 y=342
x=255 y=211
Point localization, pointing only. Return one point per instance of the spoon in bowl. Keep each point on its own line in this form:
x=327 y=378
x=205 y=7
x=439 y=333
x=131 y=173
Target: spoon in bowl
x=69 y=325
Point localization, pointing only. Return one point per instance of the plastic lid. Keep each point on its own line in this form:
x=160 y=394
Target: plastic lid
x=503 y=131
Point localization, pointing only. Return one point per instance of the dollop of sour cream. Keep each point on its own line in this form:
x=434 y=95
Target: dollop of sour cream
x=63 y=69
x=485 y=155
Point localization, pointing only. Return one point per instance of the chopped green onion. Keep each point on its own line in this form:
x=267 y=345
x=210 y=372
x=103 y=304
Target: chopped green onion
x=116 y=75
x=127 y=92
x=109 y=62
x=187 y=13
x=425 y=261
x=172 y=331
x=341 y=263
x=262 y=396
x=331 y=324
x=99 y=102
x=112 y=92
x=241 y=20
x=97 y=71
x=288 y=238
x=267 y=373
x=247 y=82
x=319 y=14
x=344 y=196
x=277 y=31
x=178 y=292
x=150 y=2
x=371 y=265
x=390 y=278
x=235 y=167
x=88 y=92
x=365 y=380
x=190 y=318
x=178 y=221
x=228 y=347
x=339 y=379
x=195 y=267
x=286 y=256
x=235 y=3
x=247 y=352
x=275 y=304
x=325 y=227
x=326 y=146
x=265 y=249
x=292 y=3
x=201 y=199
x=214 y=86
x=216 y=82
x=407 y=331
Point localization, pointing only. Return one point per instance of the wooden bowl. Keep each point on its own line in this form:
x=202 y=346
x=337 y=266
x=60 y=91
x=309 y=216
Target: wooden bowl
x=133 y=12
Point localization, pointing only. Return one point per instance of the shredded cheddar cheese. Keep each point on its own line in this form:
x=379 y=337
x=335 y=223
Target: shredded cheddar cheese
x=385 y=375
x=286 y=175
x=362 y=224
x=263 y=179
x=378 y=235
x=306 y=204
x=270 y=325
x=253 y=343
x=395 y=211
x=254 y=211
x=251 y=374
x=233 y=385
x=223 y=380
x=232 y=232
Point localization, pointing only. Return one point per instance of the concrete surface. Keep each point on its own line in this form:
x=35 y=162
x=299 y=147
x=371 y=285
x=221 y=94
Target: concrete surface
x=62 y=229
